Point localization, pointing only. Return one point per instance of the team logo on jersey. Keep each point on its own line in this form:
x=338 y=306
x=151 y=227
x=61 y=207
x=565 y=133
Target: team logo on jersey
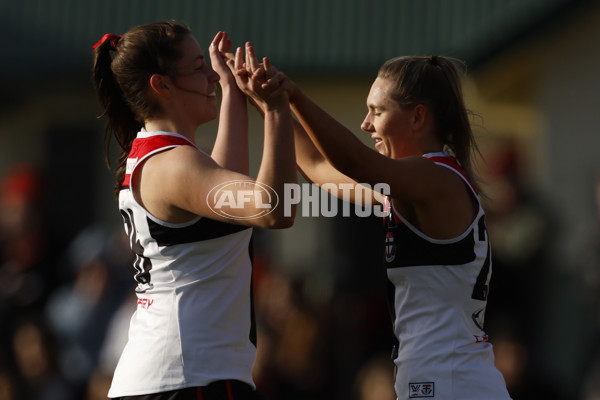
x=421 y=389
x=478 y=318
x=390 y=247
x=388 y=216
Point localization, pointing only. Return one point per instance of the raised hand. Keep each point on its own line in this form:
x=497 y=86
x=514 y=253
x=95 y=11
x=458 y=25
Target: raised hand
x=260 y=81
x=231 y=145
x=220 y=56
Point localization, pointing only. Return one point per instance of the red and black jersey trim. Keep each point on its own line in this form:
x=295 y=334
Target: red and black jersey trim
x=140 y=147
x=452 y=163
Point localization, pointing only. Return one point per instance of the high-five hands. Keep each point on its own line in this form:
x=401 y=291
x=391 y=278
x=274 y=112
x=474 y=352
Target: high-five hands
x=220 y=55
x=262 y=82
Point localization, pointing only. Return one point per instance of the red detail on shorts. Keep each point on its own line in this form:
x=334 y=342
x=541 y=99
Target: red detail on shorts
x=229 y=392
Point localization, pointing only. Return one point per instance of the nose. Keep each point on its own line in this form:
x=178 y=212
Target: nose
x=366 y=125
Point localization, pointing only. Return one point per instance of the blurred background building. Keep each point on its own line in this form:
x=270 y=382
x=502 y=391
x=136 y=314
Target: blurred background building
x=533 y=87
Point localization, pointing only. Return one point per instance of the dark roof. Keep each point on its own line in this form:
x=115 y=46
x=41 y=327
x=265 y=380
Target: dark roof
x=306 y=36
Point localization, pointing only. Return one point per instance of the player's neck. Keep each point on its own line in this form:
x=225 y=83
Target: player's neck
x=166 y=125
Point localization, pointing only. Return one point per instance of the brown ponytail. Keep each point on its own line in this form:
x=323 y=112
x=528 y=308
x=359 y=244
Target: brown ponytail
x=121 y=75
x=435 y=82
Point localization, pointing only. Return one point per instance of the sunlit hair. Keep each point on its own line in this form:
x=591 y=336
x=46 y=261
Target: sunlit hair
x=121 y=75
x=435 y=83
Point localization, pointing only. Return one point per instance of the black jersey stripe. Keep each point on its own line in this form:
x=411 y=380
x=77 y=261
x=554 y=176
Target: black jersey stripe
x=413 y=250
x=204 y=229
x=252 y=334
x=142 y=264
x=481 y=288
x=482 y=228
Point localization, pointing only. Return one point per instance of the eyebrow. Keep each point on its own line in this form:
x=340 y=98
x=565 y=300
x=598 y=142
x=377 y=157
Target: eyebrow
x=198 y=61
x=373 y=105
x=199 y=57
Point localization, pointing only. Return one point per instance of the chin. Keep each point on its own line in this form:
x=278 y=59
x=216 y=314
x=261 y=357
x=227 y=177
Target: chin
x=205 y=120
x=210 y=115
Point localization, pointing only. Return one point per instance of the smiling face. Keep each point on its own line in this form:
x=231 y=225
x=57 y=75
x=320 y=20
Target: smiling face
x=196 y=83
x=388 y=124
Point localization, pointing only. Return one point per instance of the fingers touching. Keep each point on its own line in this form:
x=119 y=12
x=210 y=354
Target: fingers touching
x=261 y=81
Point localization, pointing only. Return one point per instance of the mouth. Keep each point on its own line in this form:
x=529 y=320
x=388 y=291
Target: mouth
x=378 y=141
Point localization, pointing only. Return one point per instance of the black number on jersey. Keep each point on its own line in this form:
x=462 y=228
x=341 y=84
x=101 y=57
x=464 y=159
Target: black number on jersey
x=481 y=289
x=141 y=264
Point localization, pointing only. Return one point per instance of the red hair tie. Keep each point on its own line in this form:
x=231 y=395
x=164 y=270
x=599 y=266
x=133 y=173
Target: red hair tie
x=108 y=36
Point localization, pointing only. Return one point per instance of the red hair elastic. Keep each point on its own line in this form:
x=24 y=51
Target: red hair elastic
x=108 y=36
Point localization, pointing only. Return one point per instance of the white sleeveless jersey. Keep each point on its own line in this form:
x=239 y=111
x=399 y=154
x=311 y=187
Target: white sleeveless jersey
x=438 y=294
x=194 y=318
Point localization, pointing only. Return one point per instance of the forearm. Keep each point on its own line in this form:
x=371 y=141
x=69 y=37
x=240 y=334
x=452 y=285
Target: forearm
x=333 y=140
x=312 y=164
x=278 y=166
x=231 y=145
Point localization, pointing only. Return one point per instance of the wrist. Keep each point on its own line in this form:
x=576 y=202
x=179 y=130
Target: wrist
x=229 y=87
x=293 y=93
x=277 y=108
x=278 y=105
x=232 y=91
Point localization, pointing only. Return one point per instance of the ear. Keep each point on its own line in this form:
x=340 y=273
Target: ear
x=160 y=85
x=419 y=117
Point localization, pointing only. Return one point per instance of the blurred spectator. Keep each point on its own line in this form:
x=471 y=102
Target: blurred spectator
x=591 y=382
x=292 y=357
x=98 y=385
x=585 y=260
x=112 y=347
x=375 y=379
x=27 y=276
x=522 y=229
x=79 y=311
x=512 y=359
x=315 y=337
x=35 y=354
x=8 y=387
x=26 y=271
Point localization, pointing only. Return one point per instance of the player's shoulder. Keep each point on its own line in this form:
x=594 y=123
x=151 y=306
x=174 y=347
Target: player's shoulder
x=427 y=169
x=184 y=153
x=177 y=162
